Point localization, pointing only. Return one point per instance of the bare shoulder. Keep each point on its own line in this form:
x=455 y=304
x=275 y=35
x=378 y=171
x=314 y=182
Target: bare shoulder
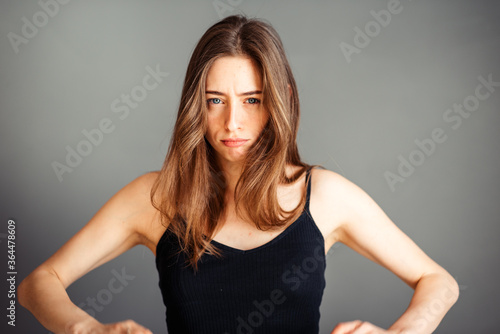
x=332 y=195
x=132 y=209
x=145 y=181
x=331 y=185
x=136 y=194
x=147 y=219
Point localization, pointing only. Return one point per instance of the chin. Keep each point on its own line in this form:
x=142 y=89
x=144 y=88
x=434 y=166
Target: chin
x=232 y=158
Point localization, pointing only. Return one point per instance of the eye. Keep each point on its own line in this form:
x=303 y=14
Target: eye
x=214 y=101
x=253 y=100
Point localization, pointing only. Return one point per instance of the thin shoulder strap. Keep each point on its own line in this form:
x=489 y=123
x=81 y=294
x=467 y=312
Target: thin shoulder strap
x=308 y=183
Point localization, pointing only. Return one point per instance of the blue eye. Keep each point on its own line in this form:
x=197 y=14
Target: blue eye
x=253 y=100
x=214 y=101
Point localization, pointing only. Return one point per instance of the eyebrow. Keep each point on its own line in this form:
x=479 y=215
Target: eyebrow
x=253 y=92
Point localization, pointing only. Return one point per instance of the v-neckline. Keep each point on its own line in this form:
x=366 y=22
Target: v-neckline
x=274 y=240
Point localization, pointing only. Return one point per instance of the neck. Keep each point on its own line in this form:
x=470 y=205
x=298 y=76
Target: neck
x=232 y=172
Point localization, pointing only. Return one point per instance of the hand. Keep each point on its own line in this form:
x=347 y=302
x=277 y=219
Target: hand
x=94 y=327
x=358 y=327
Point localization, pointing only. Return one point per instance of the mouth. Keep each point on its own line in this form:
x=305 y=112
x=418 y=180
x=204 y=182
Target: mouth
x=234 y=142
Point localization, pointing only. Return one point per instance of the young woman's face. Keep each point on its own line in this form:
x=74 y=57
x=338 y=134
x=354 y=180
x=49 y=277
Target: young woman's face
x=236 y=115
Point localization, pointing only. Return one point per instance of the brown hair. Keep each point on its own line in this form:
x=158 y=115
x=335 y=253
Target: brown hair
x=189 y=191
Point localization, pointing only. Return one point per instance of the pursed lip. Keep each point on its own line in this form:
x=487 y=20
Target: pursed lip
x=234 y=142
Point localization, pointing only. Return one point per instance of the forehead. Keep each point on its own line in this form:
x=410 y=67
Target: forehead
x=230 y=72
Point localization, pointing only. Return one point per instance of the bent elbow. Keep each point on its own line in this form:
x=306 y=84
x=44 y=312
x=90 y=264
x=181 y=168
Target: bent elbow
x=22 y=294
x=455 y=291
x=451 y=289
x=27 y=287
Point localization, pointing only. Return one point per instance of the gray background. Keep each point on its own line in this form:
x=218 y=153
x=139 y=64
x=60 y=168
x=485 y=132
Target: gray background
x=358 y=117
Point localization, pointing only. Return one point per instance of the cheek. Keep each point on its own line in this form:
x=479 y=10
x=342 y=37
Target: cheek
x=263 y=120
x=211 y=128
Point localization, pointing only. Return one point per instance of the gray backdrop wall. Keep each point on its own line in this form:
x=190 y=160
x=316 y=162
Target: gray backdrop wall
x=394 y=96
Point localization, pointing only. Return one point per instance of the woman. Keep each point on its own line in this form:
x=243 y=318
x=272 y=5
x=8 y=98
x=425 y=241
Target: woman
x=238 y=223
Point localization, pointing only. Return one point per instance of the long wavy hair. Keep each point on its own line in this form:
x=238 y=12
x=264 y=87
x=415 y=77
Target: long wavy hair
x=189 y=191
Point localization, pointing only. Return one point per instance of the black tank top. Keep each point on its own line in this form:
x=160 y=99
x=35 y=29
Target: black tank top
x=274 y=288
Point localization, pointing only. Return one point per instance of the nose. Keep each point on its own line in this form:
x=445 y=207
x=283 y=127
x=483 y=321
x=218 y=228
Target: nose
x=234 y=117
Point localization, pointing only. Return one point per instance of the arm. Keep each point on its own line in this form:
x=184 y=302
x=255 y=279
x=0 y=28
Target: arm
x=114 y=229
x=362 y=225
